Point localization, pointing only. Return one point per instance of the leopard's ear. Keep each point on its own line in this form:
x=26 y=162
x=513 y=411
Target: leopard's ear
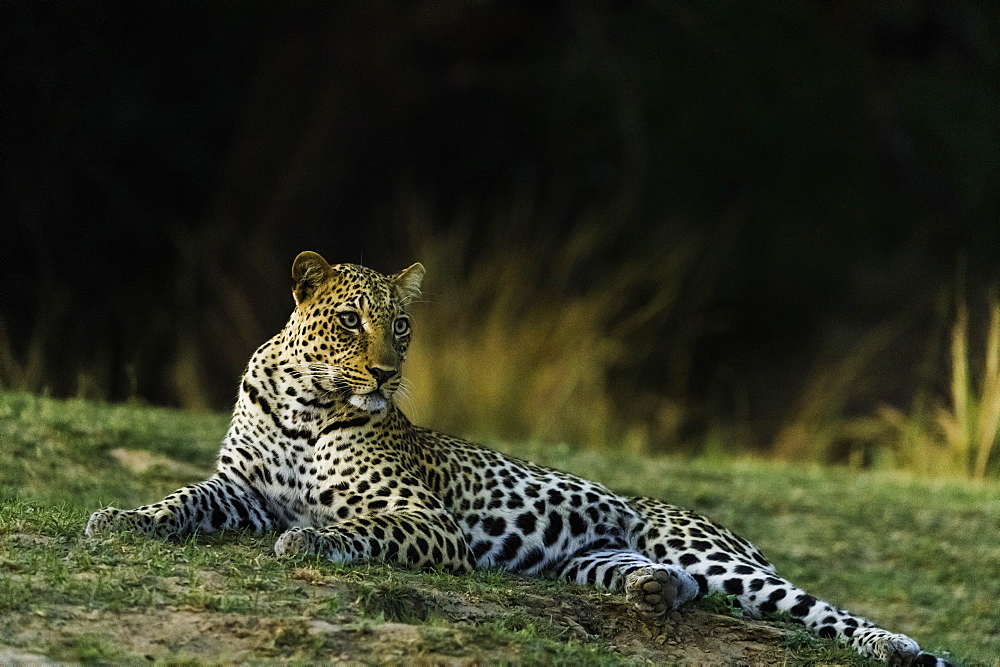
x=407 y=283
x=308 y=272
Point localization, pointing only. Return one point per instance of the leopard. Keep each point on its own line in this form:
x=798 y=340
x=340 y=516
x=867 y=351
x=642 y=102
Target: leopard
x=319 y=451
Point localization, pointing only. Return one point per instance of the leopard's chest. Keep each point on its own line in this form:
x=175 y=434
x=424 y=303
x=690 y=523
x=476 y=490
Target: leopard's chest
x=334 y=477
x=307 y=464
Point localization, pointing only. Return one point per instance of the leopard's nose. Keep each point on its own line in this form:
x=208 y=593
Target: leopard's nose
x=381 y=375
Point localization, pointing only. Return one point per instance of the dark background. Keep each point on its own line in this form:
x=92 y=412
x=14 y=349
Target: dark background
x=833 y=168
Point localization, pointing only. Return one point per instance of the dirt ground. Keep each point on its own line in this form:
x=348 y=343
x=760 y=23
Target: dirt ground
x=171 y=634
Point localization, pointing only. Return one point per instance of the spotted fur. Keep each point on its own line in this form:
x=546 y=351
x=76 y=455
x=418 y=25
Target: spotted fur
x=318 y=450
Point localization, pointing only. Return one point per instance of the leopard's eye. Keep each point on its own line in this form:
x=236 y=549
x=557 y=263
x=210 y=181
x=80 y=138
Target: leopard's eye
x=349 y=319
x=401 y=326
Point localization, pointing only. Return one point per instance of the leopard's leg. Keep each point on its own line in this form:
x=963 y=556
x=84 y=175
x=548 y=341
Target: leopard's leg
x=216 y=504
x=414 y=537
x=721 y=561
x=654 y=588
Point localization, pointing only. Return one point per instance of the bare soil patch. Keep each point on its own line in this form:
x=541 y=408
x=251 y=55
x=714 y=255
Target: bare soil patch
x=455 y=637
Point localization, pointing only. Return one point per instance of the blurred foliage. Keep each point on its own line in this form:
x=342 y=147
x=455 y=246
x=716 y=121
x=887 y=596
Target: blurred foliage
x=703 y=210
x=958 y=434
x=547 y=343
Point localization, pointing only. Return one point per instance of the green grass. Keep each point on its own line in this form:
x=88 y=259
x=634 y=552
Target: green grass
x=919 y=556
x=915 y=555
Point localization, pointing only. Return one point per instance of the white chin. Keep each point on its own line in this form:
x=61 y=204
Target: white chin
x=372 y=402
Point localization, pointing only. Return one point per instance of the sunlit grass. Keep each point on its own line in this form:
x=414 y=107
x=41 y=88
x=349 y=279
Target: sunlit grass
x=957 y=435
x=916 y=555
x=970 y=426
x=533 y=341
x=940 y=435
x=534 y=337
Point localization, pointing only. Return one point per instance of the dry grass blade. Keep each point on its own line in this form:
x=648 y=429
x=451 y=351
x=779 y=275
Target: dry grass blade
x=972 y=426
x=526 y=342
x=988 y=424
x=816 y=422
x=957 y=435
x=955 y=425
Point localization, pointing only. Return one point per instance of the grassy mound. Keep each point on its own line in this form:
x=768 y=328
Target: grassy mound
x=917 y=556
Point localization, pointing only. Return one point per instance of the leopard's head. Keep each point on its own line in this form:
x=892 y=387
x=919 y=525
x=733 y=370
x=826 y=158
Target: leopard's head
x=350 y=331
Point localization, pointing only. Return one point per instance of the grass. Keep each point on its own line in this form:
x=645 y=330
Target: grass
x=916 y=555
x=601 y=354
x=959 y=435
x=955 y=434
x=561 y=355
x=560 y=335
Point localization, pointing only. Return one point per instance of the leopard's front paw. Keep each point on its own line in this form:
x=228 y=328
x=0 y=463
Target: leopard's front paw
x=656 y=590
x=296 y=542
x=306 y=542
x=106 y=521
x=112 y=520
